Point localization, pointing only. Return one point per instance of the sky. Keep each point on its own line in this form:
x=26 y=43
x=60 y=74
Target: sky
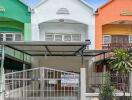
x=94 y=3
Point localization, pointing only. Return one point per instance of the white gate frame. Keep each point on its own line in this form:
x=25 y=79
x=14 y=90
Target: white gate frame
x=38 y=83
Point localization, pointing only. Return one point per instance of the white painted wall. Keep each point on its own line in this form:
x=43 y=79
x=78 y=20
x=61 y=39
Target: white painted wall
x=62 y=28
x=78 y=12
x=60 y=63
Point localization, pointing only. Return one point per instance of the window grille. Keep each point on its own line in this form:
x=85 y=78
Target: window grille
x=130 y=39
x=58 y=37
x=10 y=37
x=49 y=37
x=106 y=39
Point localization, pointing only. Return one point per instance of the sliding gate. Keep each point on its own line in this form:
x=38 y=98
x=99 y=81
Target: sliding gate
x=42 y=84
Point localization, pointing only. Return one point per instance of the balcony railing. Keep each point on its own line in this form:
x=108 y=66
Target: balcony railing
x=17 y=54
x=112 y=46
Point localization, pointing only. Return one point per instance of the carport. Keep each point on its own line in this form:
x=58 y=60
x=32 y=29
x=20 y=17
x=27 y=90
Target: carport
x=27 y=84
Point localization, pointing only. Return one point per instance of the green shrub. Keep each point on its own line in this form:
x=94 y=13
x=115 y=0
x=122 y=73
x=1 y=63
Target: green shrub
x=106 y=90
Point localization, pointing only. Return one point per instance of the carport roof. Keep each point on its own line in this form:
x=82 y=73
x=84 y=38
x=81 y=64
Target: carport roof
x=93 y=53
x=35 y=48
x=48 y=48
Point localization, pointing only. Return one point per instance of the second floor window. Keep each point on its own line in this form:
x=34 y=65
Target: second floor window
x=49 y=37
x=63 y=37
x=130 y=39
x=10 y=37
x=1 y=37
x=67 y=37
x=106 y=39
x=58 y=37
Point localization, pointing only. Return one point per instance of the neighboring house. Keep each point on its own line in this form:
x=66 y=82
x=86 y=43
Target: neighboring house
x=15 y=26
x=15 y=21
x=114 y=24
x=63 y=21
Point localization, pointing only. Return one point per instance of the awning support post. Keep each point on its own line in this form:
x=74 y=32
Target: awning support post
x=104 y=70
x=24 y=67
x=83 y=78
x=2 y=75
x=83 y=83
x=82 y=59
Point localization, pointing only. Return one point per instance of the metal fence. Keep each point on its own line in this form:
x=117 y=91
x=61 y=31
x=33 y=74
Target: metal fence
x=42 y=84
x=120 y=83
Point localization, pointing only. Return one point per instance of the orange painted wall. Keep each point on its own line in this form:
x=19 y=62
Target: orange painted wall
x=108 y=13
x=117 y=29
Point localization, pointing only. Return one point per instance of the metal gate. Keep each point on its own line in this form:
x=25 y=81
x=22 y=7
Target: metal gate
x=42 y=84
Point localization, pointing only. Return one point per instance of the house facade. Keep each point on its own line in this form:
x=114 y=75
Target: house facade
x=114 y=24
x=15 y=21
x=57 y=29
x=59 y=21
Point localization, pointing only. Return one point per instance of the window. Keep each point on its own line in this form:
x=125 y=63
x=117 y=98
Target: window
x=1 y=37
x=9 y=37
x=76 y=37
x=106 y=39
x=130 y=39
x=67 y=37
x=49 y=37
x=58 y=37
x=18 y=37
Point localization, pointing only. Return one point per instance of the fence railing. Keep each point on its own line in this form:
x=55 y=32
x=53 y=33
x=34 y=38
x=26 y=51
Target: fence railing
x=119 y=82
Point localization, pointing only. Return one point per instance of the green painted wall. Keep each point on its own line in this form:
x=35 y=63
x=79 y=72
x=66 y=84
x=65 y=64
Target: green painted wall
x=27 y=31
x=16 y=10
x=15 y=17
x=7 y=26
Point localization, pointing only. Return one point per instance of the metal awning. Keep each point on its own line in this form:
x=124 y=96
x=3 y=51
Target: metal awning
x=48 y=48
x=93 y=53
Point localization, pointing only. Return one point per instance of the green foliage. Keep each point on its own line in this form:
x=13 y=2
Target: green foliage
x=121 y=61
x=106 y=90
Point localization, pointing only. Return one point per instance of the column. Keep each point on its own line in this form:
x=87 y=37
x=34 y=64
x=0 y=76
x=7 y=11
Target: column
x=2 y=75
x=27 y=32
x=130 y=80
x=35 y=32
x=83 y=83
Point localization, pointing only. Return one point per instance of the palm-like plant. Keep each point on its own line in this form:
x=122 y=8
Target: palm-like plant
x=121 y=62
